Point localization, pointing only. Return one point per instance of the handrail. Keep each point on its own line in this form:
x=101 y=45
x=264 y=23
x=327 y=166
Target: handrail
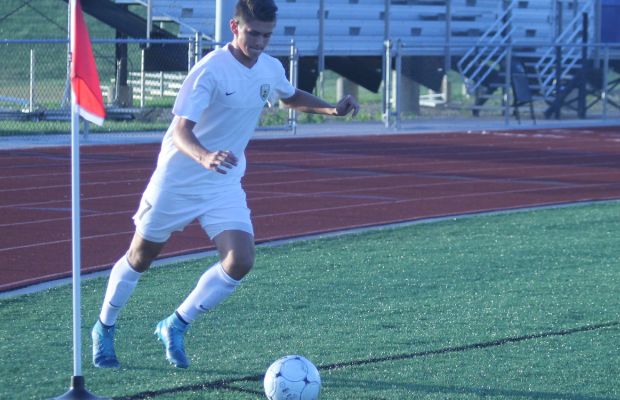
x=486 y=49
x=546 y=65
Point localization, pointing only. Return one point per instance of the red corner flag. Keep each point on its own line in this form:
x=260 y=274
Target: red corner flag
x=84 y=78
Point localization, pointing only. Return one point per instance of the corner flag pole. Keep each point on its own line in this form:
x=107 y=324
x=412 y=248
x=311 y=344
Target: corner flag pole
x=86 y=100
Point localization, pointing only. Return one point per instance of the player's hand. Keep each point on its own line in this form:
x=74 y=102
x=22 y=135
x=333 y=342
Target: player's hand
x=219 y=161
x=346 y=105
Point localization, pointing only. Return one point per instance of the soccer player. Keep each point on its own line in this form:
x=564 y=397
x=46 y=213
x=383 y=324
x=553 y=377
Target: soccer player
x=198 y=176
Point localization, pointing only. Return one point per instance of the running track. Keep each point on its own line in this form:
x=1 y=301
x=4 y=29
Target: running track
x=298 y=187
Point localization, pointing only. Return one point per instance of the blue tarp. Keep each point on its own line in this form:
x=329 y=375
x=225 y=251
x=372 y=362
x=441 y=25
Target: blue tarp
x=610 y=18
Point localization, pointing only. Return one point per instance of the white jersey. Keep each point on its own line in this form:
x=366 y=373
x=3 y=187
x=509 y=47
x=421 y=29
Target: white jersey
x=225 y=99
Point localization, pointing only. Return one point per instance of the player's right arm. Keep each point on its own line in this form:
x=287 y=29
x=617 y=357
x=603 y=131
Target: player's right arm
x=185 y=140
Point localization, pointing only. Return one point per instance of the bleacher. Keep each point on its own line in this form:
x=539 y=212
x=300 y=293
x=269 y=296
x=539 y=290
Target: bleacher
x=357 y=27
x=355 y=32
x=352 y=27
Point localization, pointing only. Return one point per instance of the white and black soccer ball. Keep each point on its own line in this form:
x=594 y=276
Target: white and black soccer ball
x=292 y=378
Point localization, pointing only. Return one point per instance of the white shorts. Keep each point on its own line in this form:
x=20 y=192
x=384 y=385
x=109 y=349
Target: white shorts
x=161 y=213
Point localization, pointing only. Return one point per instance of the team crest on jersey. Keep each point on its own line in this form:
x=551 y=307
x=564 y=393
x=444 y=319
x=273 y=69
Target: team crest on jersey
x=264 y=91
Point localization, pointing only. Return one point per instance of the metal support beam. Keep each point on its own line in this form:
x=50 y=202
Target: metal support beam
x=387 y=83
x=321 y=88
x=224 y=11
x=448 y=43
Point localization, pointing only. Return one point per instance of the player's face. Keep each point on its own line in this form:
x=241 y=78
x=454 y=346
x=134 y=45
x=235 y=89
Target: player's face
x=251 y=38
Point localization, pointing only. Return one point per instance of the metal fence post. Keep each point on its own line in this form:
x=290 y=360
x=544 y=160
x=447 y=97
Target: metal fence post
x=142 y=77
x=397 y=83
x=321 y=55
x=198 y=48
x=31 y=94
x=161 y=83
x=293 y=71
x=604 y=92
x=507 y=85
x=190 y=54
x=387 y=83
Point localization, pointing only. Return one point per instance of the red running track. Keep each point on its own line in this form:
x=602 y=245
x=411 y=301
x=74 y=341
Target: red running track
x=298 y=187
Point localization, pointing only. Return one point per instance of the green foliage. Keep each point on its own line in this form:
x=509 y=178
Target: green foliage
x=471 y=308
x=42 y=19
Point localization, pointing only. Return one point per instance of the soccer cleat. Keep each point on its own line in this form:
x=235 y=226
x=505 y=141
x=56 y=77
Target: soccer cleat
x=103 y=346
x=170 y=332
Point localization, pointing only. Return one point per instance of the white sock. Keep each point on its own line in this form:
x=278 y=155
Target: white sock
x=123 y=280
x=214 y=286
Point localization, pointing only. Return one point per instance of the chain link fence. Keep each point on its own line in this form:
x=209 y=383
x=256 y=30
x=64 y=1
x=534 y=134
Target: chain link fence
x=513 y=80
x=34 y=89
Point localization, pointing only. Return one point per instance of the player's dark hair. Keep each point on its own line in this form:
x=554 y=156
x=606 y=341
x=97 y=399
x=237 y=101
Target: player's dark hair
x=252 y=10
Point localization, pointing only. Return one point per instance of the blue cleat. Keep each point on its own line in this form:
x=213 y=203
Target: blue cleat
x=170 y=332
x=103 y=346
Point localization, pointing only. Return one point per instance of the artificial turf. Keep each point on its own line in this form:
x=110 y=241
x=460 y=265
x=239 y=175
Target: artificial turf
x=512 y=306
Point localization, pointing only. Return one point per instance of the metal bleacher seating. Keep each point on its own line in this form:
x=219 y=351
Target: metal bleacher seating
x=352 y=27
x=478 y=33
x=357 y=27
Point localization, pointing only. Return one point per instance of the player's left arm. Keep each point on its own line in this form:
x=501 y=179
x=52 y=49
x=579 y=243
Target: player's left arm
x=309 y=103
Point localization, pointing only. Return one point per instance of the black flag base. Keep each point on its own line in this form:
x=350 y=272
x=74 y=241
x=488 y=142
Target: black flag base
x=78 y=391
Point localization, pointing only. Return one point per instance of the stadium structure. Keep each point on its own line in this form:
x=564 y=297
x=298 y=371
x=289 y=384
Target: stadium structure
x=558 y=53
x=552 y=48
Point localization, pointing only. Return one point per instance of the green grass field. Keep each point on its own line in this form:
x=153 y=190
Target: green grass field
x=510 y=306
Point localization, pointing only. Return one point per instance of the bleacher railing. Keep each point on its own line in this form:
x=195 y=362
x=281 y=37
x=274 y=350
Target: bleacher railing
x=559 y=62
x=604 y=97
x=489 y=51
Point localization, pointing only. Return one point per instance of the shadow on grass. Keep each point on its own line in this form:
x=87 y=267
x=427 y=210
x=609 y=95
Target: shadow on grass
x=454 y=390
x=229 y=384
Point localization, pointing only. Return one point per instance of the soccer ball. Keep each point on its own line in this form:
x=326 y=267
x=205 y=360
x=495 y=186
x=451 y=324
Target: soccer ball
x=292 y=378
